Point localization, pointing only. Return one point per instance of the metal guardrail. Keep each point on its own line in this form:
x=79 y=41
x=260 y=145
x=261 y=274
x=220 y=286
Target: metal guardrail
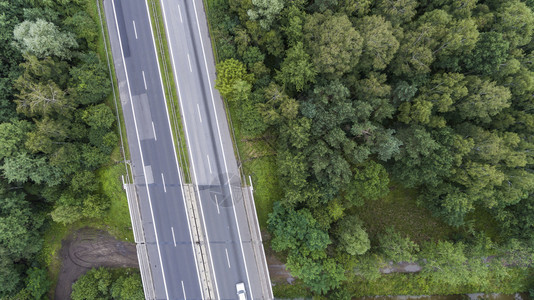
x=200 y=242
x=263 y=267
x=139 y=236
x=115 y=98
x=135 y=214
x=146 y=274
x=257 y=243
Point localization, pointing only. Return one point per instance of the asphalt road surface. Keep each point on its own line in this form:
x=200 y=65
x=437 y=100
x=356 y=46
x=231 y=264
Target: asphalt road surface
x=214 y=166
x=155 y=167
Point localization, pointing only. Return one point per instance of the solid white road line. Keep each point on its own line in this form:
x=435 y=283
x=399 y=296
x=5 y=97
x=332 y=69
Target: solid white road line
x=140 y=150
x=154 y=130
x=173 y=238
x=180 y=12
x=135 y=30
x=199 y=115
x=144 y=79
x=227 y=258
x=217 y=203
x=163 y=179
x=189 y=60
x=209 y=163
x=183 y=289
x=222 y=148
x=174 y=148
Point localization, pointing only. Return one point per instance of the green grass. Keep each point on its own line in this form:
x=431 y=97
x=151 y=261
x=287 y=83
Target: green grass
x=400 y=210
x=519 y=280
x=117 y=218
x=171 y=93
x=483 y=220
x=118 y=215
x=208 y=4
x=258 y=157
x=267 y=190
x=291 y=291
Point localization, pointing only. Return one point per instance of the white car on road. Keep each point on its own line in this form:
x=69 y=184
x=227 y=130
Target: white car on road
x=241 y=293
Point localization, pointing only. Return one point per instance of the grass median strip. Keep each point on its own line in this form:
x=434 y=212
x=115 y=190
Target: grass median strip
x=164 y=60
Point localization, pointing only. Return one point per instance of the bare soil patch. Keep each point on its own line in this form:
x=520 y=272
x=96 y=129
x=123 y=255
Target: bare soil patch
x=89 y=248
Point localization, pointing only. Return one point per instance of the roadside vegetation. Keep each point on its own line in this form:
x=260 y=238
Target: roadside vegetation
x=104 y=283
x=60 y=160
x=380 y=132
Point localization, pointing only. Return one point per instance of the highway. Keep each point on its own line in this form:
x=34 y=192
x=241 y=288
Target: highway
x=155 y=168
x=214 y=167
x=230 y=252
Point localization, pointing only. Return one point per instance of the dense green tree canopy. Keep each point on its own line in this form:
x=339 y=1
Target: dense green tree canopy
x=357 y=97
x=379 y=42
x=335 y=46
x=50 y=79
x=297 y=70
x=370 y=183
x=265 y=11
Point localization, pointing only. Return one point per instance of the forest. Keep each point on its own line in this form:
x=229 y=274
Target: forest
x=55 y=131
x=361 y=99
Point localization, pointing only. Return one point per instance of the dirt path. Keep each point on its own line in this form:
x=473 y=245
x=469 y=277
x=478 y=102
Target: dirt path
x=88 y=248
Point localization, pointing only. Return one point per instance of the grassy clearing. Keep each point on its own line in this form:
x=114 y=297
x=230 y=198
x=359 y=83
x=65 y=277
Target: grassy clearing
x=259 y=161
x=118 y=215
x=116 y=221
x=171 y=94
x=258 y=157
x=482 y=220
x=413 y=284
x=263 y=173
x=400 y=210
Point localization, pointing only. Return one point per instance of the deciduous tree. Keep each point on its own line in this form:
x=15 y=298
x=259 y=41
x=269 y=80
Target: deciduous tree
x=490 y=52
x=41 y=99
x=515 y=20
x=370 y=182
x=397 y=11
x=396 y=247
x=351 y=235
x=265 y=11
x=42 y=39
x=296 y=69
x=232 y=79
x=90 y=80
x=334 y=45
x=379 y=42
